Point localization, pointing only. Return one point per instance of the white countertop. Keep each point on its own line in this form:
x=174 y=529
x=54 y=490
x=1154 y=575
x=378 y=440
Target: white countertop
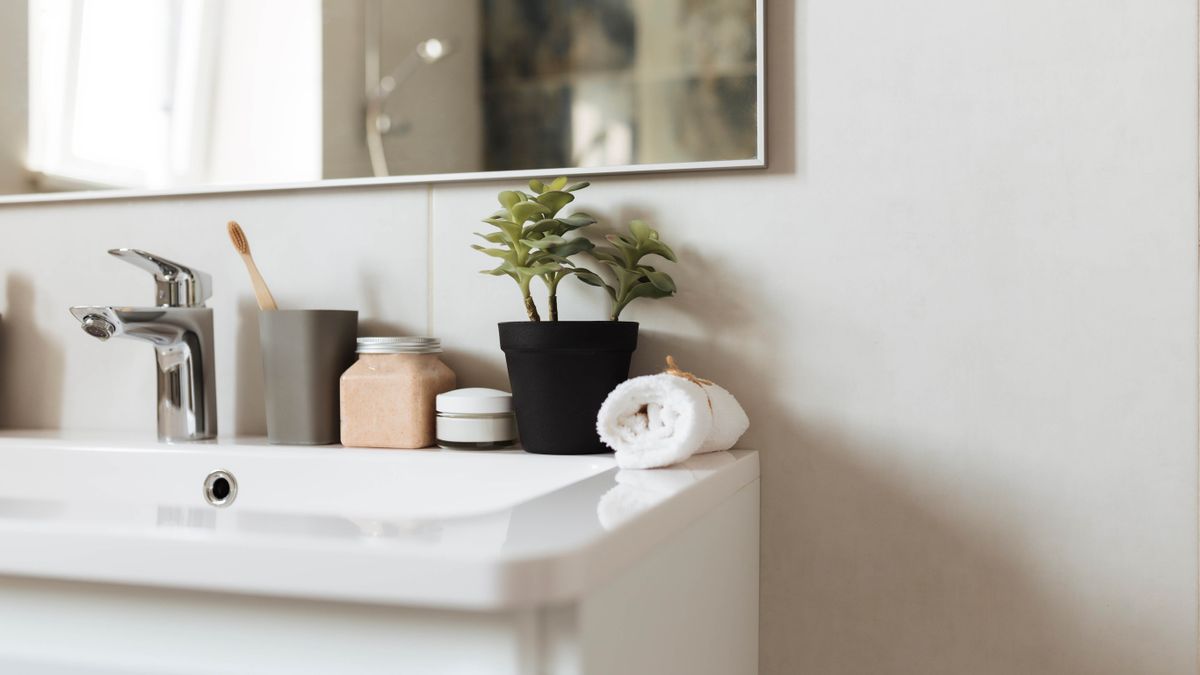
x=431 y=528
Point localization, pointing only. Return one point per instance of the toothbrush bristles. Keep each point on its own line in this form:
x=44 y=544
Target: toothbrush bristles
x=238 y=238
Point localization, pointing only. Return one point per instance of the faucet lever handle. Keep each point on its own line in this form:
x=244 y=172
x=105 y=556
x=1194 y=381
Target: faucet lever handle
x=176 y=285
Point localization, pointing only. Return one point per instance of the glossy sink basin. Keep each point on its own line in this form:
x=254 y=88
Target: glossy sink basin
x=109 y=476
x=431 y=528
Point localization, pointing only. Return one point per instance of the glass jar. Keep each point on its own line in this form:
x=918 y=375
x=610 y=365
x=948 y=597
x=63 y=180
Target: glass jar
x=476 y=419
x=388 y=394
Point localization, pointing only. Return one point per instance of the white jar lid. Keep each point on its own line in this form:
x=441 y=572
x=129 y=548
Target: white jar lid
x=475 y=400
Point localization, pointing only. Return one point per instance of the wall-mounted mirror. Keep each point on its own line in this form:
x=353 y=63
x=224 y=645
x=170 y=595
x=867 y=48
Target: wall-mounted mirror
x=198 y=95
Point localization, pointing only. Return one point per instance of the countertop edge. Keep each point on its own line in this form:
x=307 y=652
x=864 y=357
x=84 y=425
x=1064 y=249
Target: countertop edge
x=555 y=574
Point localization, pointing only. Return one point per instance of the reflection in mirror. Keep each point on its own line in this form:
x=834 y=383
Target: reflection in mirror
x=181 y=94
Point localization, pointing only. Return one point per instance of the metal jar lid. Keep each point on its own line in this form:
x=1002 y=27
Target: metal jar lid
x=399 y=345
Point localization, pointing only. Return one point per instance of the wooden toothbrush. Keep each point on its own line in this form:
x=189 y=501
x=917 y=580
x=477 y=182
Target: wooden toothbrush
x=265 y=301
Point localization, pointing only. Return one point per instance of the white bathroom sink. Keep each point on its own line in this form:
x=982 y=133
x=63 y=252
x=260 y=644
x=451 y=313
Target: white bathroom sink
x=129 y=483
x=478 y=530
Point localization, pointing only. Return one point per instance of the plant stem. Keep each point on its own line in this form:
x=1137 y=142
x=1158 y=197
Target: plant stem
x=552 y=291
x=619 y=305
x=531 y=309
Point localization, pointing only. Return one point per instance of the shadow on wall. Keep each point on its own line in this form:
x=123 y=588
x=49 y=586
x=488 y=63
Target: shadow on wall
x=861 y=573
x=31 y=363
x=865 y=568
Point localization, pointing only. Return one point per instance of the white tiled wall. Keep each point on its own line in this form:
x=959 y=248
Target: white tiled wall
x=364 y=250
x=960 y=308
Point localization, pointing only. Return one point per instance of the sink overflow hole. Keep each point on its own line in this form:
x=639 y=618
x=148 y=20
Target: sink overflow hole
x=220 y=488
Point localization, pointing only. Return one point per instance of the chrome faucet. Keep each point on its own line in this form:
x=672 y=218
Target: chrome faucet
x=181 y=329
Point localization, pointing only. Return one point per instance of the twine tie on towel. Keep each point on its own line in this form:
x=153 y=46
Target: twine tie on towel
x=674 y=369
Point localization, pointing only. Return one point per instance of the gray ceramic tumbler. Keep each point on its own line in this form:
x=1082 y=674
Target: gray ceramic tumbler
x=304 y=354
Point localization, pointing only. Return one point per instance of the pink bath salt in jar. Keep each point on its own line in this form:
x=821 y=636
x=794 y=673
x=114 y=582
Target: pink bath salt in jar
x=388 y=395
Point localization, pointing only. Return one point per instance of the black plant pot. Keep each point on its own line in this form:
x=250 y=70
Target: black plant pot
x=560 y=372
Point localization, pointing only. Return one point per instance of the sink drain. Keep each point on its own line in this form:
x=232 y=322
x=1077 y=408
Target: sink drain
x=220 y=488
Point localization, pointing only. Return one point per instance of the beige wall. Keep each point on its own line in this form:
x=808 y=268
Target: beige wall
x=14 y=101
x=960 y=308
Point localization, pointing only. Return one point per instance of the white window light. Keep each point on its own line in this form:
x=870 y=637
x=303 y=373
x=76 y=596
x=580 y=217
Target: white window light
x=119 y=90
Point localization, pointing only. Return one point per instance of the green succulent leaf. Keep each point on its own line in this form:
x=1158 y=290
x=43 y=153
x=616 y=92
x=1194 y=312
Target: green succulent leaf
x=648 y=290
x=606 y=255
x=662 y=281
x=555 y=200
x=547 y=226
x=506 y=226
x=589 y=277
x=569 y=247
x=503 y=254
x=626 y=278
x=592 y=279
x=613 y=265
x=509 y=199
x=543 y=242
x=544 y=268
x=510 y=229
x=577 y=220
x=656 y=247
x=576 y=186
x=531 y=210
x=623 y=241
x=499 y=272
x=626 y=253
x=493 y=237
x=522 y=273
x=537 y=186
x=641 y=231
x=558 y=183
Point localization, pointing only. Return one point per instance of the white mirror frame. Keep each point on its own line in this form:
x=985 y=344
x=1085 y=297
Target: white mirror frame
x=758 y=162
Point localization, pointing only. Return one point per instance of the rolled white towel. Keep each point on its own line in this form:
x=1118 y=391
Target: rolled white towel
x=658 y=420
x=729 y=420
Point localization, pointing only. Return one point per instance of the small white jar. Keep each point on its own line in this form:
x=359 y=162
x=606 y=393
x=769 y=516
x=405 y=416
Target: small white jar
x=476 y=419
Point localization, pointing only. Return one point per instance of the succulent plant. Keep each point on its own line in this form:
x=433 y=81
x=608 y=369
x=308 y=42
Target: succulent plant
x=624 y=258
x=532 y=241
x=531 y=238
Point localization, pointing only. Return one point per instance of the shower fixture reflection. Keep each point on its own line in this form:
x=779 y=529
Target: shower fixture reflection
x=379 y=87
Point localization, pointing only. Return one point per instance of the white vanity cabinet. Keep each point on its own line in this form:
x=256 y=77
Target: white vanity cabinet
x=346 y=561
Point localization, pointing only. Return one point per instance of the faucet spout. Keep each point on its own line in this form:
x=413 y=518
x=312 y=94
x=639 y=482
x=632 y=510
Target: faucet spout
x=183 y=343
x=98 y=327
